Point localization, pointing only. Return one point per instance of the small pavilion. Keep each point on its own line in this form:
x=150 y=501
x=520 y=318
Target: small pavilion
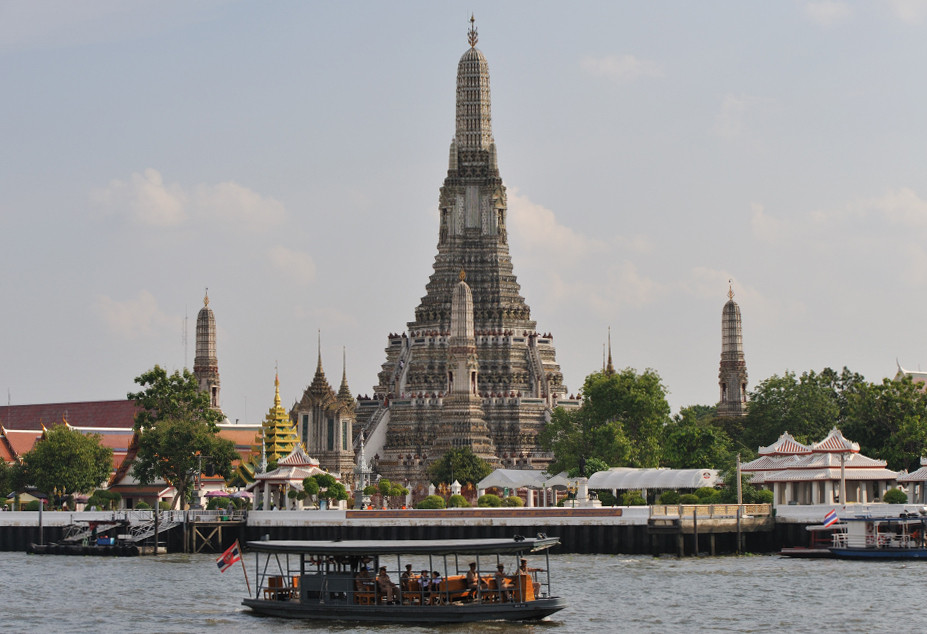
x=815 y=474
x=917 y=484
x=271 y=488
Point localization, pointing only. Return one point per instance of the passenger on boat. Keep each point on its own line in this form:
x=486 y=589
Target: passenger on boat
x=387 y=588
x=502 y=584
x=362 y=579
x=424 y=585
x=405 y=579
x=474 y=582
x=436 y=587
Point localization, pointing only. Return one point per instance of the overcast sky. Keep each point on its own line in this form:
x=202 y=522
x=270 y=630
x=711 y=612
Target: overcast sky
x=288 y=156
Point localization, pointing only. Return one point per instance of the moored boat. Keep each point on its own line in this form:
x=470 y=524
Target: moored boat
x=900 y=537
x=419 y=581
x=822 y=539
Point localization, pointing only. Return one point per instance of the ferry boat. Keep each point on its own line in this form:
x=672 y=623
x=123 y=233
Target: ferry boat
x=405 y=581
x=901 y=537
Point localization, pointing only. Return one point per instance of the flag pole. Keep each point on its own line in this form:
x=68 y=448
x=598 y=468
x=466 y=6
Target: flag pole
x=244 y=568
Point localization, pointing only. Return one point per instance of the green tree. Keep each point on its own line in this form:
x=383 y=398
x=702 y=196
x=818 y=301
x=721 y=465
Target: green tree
x=807 y=407
x=693 y=441
x=176 y=396
x=459 y=464
x=889 y=421
x=620 y=423
x=67 y=461
x=178 y=451
x=178 y=432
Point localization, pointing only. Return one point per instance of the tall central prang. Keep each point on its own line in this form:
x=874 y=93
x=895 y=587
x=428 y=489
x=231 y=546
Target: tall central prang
x=417 y=414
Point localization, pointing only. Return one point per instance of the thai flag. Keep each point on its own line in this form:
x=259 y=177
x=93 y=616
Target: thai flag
x=831 y=518
x=229 y=557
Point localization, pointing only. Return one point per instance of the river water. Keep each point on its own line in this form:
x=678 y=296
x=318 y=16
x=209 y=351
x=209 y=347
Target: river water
x=186 y=593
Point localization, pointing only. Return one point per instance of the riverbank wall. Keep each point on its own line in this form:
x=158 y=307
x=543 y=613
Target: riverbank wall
x=608 y=530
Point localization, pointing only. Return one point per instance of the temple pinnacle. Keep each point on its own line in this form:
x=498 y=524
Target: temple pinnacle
x=730 y=289
x=472 y=36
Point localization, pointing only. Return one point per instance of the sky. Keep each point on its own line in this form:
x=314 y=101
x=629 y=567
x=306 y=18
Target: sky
x=287 y=156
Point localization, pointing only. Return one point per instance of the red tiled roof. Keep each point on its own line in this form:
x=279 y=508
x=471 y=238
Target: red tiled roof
x=87 y=414
x=21 y=440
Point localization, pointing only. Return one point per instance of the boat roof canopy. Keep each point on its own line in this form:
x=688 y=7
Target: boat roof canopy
x=407 y=546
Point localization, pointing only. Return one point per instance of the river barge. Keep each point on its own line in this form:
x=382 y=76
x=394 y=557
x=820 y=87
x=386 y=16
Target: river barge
x=405 y=581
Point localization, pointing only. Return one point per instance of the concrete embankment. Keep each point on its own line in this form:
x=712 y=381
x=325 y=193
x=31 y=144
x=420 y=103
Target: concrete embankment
x=627 y=530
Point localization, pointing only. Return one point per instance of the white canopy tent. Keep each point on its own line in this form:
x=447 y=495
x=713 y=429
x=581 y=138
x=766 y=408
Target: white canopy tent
x=628 y=479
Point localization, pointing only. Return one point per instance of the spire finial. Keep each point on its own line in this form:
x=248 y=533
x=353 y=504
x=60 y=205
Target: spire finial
x=319 y=369
x=206 y=298
x=463 y=275
x=472 y=36
x=730 y=290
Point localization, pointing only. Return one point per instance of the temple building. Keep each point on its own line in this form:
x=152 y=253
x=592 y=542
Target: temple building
x=732 y=376
x=276 y=440
x=488 y=380
x=325 y=423
x=205 y=363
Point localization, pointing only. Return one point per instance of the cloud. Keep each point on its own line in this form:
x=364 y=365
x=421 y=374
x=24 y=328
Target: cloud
x=296 y=265
x=827 y=12
x=147 y=200
x=132 y=318
x=233 y=204
x=620 y=68
x=536 y=228
x=765 y=227
x=584 y=272
x=909 y=11
x=735 y=109
x=902 y=207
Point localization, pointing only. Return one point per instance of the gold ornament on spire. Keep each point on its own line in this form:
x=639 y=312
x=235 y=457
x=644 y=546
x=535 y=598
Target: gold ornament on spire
x=730 y=290
x=463 y=275
x=472 y=35
x=206 y=298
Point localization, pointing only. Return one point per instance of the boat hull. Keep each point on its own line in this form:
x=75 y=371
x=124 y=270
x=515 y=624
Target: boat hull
x=468 y=613
x=879 y=553
x=806 y=553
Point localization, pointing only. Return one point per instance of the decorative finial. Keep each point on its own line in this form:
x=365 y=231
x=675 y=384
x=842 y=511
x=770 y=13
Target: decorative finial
x=206 y=299
x=472 y=34
x=463 y=275
x=730 y=290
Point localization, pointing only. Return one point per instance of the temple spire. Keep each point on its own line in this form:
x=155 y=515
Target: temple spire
x=732 y=374
x=472 y=35
x=609 y=369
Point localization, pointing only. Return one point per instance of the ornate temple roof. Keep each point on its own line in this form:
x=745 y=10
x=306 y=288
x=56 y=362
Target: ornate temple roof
x=835 y=442
x=786 y=445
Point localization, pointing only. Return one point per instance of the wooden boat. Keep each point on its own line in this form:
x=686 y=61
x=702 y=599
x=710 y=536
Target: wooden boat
x=900 y=537
x=822 y=540
x=335 y=580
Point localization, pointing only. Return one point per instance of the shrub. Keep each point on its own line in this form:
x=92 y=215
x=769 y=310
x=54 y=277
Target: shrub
x=765 y=496
x=142 y=505
x=513 y=500
x=633 y=498
x=31 y=506
x=457 y=501
x=164 y=505
x=371 y=489
x=669 y=497
x=104 y=500
x=895 y=496
x=220 y=503
x=489 y=500
x=432 y=502
x=705 y=492
x=688 y=498
x=606 y=497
